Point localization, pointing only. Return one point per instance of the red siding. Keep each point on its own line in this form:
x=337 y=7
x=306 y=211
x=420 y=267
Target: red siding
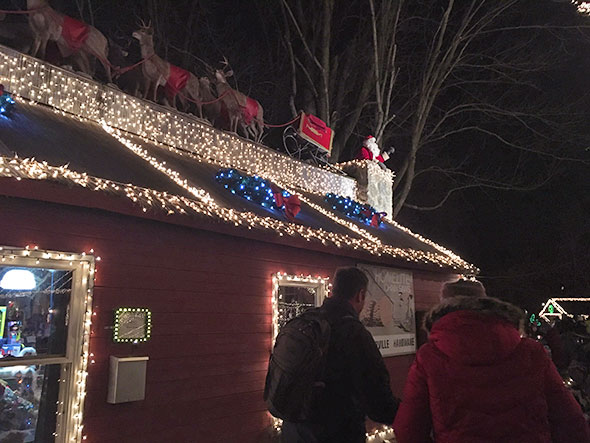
x=211 y=311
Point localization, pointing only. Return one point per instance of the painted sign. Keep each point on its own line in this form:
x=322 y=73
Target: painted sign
x=389 y=312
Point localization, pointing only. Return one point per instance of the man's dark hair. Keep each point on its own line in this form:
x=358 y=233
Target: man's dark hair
x=348 y=282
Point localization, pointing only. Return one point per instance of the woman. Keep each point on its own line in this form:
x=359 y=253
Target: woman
x=477 y=380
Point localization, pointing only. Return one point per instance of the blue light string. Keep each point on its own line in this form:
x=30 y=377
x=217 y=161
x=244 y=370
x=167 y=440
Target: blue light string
x=252 y=188
x=6 y=103
x=351 y=208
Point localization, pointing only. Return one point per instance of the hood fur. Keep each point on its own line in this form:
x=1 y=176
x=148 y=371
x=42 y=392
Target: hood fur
x=485 y=305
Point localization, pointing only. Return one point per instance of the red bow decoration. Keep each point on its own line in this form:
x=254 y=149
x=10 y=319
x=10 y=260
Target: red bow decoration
x=291 y=205
x=376 y=218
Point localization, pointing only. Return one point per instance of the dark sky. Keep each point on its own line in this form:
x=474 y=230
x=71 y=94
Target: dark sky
x=528 y=244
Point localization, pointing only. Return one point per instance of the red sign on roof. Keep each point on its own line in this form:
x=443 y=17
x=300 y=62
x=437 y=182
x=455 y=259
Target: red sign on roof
x=315 y=131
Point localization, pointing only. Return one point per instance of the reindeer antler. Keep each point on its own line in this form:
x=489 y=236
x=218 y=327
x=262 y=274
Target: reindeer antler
x=143 y=25
x=224 y=62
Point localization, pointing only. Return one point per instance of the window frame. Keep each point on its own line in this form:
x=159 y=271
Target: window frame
x=321 y=284
x=73 y=365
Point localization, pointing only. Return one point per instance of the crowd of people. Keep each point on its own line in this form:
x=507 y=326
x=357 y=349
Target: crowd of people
x=567 y=340
x=478 y=378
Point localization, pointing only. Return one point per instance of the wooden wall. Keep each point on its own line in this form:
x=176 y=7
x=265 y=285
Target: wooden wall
x=210 y=296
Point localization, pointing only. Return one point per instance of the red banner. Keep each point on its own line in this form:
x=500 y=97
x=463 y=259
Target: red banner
x=315 y=131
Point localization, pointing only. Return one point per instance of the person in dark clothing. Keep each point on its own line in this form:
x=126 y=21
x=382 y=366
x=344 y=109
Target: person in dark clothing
x=357 y=381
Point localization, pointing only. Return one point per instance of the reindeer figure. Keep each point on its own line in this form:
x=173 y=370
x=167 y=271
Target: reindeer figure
x=72 y=36
x=241 y=109
x=211 y=110
x=159 y=72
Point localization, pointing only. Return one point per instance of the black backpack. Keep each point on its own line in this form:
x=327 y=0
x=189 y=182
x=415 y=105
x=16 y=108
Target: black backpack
x=296 y=369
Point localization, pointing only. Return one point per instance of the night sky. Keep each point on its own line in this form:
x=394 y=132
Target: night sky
x=529 y=245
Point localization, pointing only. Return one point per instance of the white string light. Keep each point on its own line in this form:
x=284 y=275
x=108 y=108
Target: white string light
x=86 y=261
x=559 y=310
x=71 y=93
x=86 y=99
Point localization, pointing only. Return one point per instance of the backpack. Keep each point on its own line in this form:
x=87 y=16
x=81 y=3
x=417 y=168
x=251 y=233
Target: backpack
x=294 y=380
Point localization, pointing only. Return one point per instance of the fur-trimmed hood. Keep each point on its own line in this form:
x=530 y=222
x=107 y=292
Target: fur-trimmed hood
x=484 y=305
x=474 y=331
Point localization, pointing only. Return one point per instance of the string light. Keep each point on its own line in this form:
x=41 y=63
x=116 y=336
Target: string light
x=374 y=184
x=206 y=205
x=353 y=209
x=278 y=279
x=89 y=100
x=367 y=165
x=552 y=309
x=74 y=405
x=143 y=335
x=71 y=93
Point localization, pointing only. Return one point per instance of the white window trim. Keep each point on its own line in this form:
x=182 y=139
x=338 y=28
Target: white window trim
x=75 y=362
x=321 y=284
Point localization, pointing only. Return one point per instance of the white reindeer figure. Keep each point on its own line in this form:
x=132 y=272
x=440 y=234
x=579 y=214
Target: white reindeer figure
x=73 y=37
x=241 y=109
x=159 y=72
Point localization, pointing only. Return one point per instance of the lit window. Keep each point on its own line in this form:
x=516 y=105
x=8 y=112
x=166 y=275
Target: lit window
x=42 y=306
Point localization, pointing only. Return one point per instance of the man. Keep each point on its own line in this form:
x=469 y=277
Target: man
x=357 y=381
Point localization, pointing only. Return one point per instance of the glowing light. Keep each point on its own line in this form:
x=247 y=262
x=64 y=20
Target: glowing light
x=18 y=279
x=70 y=94
x=552 y=308
x=73 y=407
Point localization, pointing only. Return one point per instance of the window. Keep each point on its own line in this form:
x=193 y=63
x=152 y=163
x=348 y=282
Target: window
x=45 y=303
x=293 y=295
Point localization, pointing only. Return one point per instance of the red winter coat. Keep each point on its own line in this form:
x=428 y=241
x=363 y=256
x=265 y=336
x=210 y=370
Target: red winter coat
x=477 y=380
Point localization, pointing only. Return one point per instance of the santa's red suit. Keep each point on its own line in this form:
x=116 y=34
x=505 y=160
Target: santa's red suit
x=370 y=151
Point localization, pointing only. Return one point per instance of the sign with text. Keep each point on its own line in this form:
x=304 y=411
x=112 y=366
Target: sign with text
x=389 y=312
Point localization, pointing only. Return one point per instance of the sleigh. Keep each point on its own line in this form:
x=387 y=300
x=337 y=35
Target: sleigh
x=310 y=141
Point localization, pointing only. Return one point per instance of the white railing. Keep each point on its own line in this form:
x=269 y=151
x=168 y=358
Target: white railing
x=69 y=92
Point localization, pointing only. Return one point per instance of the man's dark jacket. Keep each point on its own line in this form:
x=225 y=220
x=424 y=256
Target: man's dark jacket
x=357 y=384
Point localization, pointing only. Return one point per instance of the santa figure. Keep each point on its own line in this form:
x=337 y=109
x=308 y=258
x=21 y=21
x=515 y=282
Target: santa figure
x=370 y=151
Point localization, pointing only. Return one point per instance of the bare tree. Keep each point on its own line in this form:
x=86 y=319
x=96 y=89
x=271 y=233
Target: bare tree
x=477 y=79
x=341 y=61
x=424 y=74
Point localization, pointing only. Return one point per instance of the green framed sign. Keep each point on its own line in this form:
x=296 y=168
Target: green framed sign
x=132 y=325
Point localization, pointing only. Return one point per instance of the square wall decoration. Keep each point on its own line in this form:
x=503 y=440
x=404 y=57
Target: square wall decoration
x=132 y=325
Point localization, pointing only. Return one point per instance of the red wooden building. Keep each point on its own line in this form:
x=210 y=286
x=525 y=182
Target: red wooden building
x=89 y=182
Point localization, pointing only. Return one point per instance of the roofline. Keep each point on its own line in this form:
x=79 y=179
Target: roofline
x=45 y=191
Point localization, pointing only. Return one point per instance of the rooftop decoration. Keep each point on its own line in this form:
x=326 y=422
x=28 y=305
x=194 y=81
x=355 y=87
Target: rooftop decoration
x=258 y=190
x=6 y=102
x=205 y=205
x=69 y=94
x=355 y=210
x=86 y=99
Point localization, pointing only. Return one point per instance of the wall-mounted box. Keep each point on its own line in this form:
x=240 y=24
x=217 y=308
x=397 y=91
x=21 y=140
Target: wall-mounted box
x=127 y=379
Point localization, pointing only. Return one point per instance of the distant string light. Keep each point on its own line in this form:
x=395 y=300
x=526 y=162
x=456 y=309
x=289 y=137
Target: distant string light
x=552 y=308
